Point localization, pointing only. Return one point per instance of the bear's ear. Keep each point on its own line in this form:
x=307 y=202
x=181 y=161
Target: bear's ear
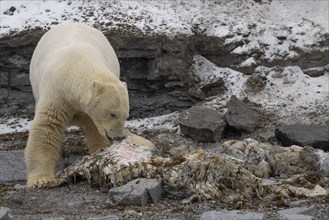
x=98 y=88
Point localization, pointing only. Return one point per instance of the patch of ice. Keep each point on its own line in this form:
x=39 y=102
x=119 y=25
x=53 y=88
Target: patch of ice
x=15 y=125
x=168 y=122
x=248 y=62
x=247 y=48
x=323 y=161
x=234 y=39
x=73 y=128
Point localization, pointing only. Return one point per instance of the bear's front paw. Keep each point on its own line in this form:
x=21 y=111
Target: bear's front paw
x=42 y=182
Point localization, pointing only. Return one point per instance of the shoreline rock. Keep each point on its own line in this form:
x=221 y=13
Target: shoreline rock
x=202 y=124
x=316 y=136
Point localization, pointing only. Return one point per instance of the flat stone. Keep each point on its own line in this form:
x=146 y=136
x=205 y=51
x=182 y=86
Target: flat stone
x=232 y=215
x=295 y=217
x=136 y=192
x=316 y=136
x=12 y=166
x=5 y=213
x=59 y=218
x=108 y=217
x=297 y=213
x=240 y=117
x=315 y=72
x=202 y=124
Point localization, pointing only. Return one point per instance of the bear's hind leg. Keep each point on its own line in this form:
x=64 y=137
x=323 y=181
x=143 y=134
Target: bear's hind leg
x=43 y=147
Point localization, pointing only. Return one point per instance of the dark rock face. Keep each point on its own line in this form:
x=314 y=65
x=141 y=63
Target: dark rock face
x=316 y=136
x=155 y=67
x=15 y=89
x=240 y=117
x=202 y=124
x=152 y=66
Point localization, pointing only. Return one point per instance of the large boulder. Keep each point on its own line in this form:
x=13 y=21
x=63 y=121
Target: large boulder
x=240 y=116
x=202 y=124
x=304 y=135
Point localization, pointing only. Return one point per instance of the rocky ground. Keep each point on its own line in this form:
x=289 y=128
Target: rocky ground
x=83 y=200
x=249 y=69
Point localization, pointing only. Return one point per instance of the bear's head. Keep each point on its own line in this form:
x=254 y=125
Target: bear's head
x=109 y=108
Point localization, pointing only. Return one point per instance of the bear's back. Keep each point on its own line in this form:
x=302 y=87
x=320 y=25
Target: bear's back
x=73 y=36
x=70 y=34
x=62 y=43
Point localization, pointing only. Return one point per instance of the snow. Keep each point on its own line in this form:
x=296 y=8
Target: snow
x=206 y=71
x=282 y=11
x=275 y=29
x=166 y=122
x=296 y=95
x=15 y=125
x=248 y=62
x=289 y=93
x=323 y=160
x=177 y=16
x=12 y=125
x=30 y=13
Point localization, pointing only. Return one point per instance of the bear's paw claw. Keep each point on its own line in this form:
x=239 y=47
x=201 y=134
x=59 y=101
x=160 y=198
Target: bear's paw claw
x=45 y=182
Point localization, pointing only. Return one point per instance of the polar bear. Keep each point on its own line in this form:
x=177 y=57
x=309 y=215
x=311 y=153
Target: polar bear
x=74 y=73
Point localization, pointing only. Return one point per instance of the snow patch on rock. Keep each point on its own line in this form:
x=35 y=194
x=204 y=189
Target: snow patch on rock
x=289 y=93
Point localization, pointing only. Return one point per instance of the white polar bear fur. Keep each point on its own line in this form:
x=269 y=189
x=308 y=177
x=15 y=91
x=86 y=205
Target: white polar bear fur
x=74 y=73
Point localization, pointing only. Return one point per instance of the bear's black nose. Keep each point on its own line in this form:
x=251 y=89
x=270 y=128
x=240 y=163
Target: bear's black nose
x=119 y=138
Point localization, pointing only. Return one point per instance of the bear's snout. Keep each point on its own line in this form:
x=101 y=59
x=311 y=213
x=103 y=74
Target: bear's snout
x=119 y=138
x=115 y=138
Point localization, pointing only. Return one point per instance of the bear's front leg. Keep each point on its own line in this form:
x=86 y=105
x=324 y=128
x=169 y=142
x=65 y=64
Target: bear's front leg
x=95 y=140
x=43 y=147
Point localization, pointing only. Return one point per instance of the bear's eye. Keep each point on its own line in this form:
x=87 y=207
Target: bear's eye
x=113 y=115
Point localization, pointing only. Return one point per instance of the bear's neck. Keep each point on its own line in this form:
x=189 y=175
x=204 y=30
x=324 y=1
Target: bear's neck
x=83 y=83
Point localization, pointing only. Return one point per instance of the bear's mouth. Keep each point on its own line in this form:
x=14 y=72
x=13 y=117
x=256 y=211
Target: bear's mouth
x=110 y=138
